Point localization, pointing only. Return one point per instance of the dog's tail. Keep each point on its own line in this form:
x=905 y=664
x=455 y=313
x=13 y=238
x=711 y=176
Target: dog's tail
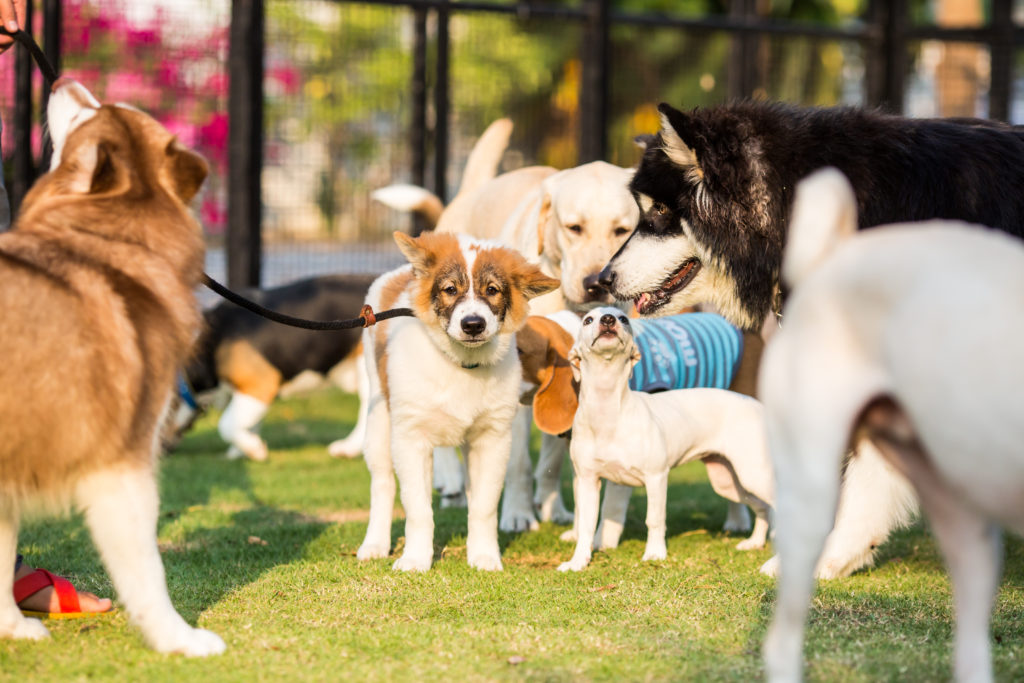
x=482 y=164
x=824 y=214
x=403 y=197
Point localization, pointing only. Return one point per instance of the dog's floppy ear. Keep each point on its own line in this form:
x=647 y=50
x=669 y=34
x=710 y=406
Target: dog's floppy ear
x=547 y=192
x=634 y=354
x=533 y=282
x=414 y=252
x=188 y=170
x=678 y=135
x=555 y=403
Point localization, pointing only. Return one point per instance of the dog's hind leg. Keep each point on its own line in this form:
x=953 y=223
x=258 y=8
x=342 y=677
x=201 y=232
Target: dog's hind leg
x=236 y=425
x=13 y=624
x=875 y=499
x=352 y=445
x=657 y=500
x=737 y=518
x=121 y=507
x=377 y=453
x=613 y=515
x=548 y=476
x=517 y=503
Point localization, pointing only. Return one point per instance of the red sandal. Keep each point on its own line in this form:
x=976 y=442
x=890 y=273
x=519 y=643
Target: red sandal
x=67 y=596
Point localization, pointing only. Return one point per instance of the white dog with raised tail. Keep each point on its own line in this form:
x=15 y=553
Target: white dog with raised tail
x=634 y=438
x=868 y=349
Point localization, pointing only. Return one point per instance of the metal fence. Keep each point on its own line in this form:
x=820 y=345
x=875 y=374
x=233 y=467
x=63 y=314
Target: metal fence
x=305 y=106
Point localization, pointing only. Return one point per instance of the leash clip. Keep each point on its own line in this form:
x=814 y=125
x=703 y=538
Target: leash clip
x=369 y=318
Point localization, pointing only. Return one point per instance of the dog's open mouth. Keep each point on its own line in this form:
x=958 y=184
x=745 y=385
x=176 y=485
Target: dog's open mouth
x=648 y=302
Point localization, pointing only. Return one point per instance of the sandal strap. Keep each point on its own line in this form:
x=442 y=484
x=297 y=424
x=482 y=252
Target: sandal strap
x=67 y=596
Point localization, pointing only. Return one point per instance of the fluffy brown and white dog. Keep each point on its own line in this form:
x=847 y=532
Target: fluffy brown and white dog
x=449 y=376
x=868 y=346
x=96 y=288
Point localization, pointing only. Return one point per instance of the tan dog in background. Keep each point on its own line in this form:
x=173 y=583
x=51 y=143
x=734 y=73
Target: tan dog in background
x=96 y=288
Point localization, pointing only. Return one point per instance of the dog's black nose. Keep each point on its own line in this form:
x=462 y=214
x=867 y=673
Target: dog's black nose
x=473 y=325
x=606 y=278
x=608 y=320
x=594 y=290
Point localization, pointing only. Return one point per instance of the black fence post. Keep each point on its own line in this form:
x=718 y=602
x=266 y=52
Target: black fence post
x=886 y=64
x=593 y=105
x=441 y=103
x=743 y=53
x=24 y=169
x=245 y=143
x=418 y=125
x=1001 y=56
x=53 y=29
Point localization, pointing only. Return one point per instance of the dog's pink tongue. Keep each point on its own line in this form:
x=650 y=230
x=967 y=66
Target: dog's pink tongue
x=642 y=300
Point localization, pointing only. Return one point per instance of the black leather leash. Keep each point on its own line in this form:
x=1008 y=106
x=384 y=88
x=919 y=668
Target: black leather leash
x=366 y=316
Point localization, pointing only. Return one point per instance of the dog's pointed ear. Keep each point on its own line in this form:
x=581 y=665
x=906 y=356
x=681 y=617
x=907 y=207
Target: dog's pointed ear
x=415 y=252
x=678 y=134
x=644 y=140
x=89 y=168
x=187 y=169
x=555 y=403
x=574 y=361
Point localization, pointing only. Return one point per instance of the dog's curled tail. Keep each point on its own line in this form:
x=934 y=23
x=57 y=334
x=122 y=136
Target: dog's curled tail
x=404 y=197
x=483 y=160
x=824 y=214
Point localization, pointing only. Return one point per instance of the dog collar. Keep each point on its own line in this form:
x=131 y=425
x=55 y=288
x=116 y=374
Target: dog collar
x=185 y=393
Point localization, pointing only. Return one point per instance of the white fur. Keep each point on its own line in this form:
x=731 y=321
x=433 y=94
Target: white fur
x=237 y=423
x=435 y=400
x=871 y=319
x=68 y=108
x=635 y=439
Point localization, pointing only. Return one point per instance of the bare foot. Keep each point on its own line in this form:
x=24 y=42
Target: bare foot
x=45 y=600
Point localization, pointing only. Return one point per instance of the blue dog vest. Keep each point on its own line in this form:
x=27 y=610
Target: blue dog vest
x=685 y=351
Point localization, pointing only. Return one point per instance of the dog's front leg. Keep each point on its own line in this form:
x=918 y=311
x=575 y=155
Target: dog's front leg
x=412 y=454
x=588 y=493
x=657 y=499
x=613 y=515
x=13 y=624
x=487 y=459
x=517 y=504
x=377 y=453
x=121 y=510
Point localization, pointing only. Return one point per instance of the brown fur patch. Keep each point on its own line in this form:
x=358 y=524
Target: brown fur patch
x=247 y=370
x=526 y=280
x=96 y=288
x=544 y=355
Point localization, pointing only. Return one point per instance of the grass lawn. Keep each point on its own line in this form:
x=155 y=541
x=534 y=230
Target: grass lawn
x=264 y=554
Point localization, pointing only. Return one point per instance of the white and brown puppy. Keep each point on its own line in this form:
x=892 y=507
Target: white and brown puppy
x=868 y=349
x=449 y=376
x=634 y=438
x=97 y=281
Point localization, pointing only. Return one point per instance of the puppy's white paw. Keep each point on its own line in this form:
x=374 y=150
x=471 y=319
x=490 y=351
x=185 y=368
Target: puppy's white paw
x=514 y=521
x=191 y=642
x=486 y=562
x=453 y=500
x=576 y=564
x=569 y=536
x=258 y=451
x=653 y=554
x=750 y=544
x=21 y=627
x=342 y=448
x=372 y=551
x=771 y=567
x=411 y=563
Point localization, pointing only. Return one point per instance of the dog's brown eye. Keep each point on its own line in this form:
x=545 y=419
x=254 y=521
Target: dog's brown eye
x=660 y=209
x=619 y=232
x=450 y=290
x=588 y=320
x=492 y=290
x=575 y=229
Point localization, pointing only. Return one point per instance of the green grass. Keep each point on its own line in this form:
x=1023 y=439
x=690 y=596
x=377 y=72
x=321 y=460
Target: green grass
x=302 y=607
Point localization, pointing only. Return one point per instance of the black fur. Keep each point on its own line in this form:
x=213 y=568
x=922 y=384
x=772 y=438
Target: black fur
x=289 y=349
x=752 y=154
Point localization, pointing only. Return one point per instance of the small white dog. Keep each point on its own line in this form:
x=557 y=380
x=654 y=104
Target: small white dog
x=633 y=438
x=448 y=376
x=868 y=347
